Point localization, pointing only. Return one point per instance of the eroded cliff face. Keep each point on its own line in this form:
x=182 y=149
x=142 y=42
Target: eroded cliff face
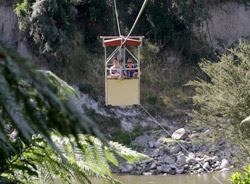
x=230 y=21
x=9 y=31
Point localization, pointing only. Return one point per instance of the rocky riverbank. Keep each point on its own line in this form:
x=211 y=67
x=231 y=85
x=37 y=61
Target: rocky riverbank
x=169 y=157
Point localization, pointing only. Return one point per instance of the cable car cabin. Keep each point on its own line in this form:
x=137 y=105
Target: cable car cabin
x=121 y=88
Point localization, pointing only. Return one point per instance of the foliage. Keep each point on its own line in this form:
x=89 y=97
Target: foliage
x=32 y=104
x=52 y=24
x=238 y=178
x=223 y=99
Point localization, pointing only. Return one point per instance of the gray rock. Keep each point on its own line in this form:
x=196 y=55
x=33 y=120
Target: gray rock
x=196 y=167
x=200 y=170
x=169 y=160
x=207 y=159
x=151 y=144
x=191 y=161
x=224 y=170
x=155 y=153
x=157 y=144
x=147 y=174
x=206 y=166
x=153 y=166
x=180 y=170
x=179 y=134
x=126 y=167
x=146 y=161
x=224 y=164
x=181 y=159
x=175 y=149
x=215 y=159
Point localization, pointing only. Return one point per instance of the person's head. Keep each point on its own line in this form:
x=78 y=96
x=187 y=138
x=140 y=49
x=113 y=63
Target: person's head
x=115 y=61
x=130 y=63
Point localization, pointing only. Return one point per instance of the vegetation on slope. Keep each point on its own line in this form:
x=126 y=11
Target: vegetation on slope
x=34 y=143
x=223 y=99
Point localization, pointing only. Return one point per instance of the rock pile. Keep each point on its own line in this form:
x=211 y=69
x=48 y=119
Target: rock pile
x=172 y=159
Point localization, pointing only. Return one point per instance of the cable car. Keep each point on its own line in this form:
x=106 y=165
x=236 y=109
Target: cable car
x=122 y=91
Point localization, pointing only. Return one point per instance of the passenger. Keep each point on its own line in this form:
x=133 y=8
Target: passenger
x=130 y=72
x=115 y=70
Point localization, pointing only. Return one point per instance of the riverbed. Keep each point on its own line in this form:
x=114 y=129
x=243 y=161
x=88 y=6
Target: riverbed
x=208 y=178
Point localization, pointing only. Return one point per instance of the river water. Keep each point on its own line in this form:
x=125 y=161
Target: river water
x=208 y=178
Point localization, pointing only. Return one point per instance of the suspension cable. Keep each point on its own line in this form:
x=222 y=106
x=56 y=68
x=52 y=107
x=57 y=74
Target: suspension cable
x=217 y=179
x=136 y=20
x=118 y=26
x=179 y=143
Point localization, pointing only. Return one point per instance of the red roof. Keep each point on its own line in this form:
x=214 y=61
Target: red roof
x=117 y=41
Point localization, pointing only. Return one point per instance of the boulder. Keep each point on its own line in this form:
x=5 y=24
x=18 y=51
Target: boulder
x=180 y=170
x=157 y=144
x=126 y=167
x=151 y=144
x=147 y=174
x=155 y=153
x=175 y=149
x=215 y=159
x=224 y=164
x=181 y=159
x=200 y=170
x=153 y=166
x=224 y=170
x=191 y=161
x=169 y=160
x=179 y=134
x=206 y=166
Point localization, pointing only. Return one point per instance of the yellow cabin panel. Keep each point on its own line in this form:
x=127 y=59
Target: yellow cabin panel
x=122 y=92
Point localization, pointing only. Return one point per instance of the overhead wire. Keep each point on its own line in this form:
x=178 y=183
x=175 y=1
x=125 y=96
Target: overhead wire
x=154 y=120
x=117 y=20
x=136 y=20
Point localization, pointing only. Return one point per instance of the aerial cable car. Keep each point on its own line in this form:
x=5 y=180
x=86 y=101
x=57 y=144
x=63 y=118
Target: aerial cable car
x=122 y=91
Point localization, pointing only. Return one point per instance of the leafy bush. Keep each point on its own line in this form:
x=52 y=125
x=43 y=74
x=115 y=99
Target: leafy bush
x=38 y=121
x=239 y=178
x=152 y=99
x=223 y=99
x=85 y=88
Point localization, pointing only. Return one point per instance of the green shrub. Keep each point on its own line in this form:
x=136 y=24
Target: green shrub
x=124 y=137
x=85 y=88
x=239 y=178
x=152 y=99
x=224 y=98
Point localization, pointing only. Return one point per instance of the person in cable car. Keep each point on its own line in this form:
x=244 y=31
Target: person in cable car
x=131 y=72
x=115 y=70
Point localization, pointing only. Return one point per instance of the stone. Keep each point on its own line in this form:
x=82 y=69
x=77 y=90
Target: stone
x=175 y=149
x=151 y=144
x=180 y=170
x=146 y=161
x=126 y=167
x=196 y=167
x=157 y=144
x=153 y=166
x=191 y=161
x=147 y=174
x=155 y=153
x=200 y=170
x=224 y=164
x=169 y=160
x=207 y=159
x=179 y=134
x=206 y=166
x=215 y=159
x=181 y=159
x=224 y=170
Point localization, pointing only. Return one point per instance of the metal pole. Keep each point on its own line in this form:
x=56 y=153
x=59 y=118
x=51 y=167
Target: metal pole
x=106 y=87
x=139 y=72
